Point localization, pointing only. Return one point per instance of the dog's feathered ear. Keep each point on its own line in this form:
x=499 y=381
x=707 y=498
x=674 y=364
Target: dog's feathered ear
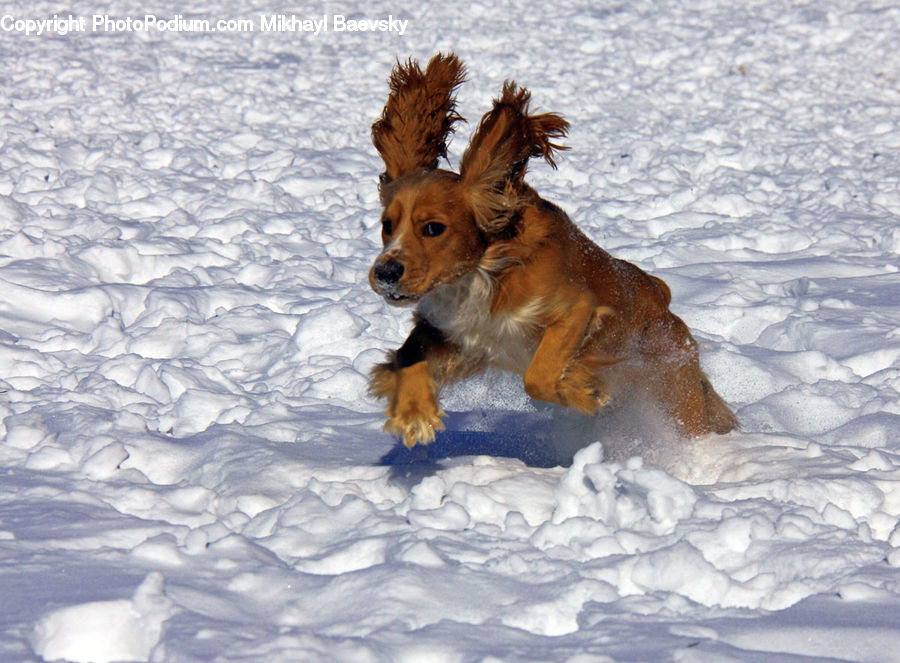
x=419 y=115
x=494 y=164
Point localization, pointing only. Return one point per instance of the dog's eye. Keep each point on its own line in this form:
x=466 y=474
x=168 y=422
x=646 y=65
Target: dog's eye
x=387 y=226
x=433 y=229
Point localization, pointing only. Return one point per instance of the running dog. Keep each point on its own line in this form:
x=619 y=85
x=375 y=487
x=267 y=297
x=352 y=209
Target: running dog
x=499 y=276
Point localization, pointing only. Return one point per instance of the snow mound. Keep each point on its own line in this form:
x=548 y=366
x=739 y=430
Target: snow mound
x=105 y=631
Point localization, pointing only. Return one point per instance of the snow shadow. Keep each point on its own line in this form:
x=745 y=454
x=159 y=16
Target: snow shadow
x=544 y=436
x=532 y=437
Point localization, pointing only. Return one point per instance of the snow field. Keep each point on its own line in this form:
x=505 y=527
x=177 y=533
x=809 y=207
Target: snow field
x=192 y=470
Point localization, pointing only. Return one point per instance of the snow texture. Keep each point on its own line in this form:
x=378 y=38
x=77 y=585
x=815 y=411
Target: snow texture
x=192 y=469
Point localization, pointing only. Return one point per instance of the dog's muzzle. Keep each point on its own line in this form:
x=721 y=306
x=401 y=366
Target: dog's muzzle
x=385 y=281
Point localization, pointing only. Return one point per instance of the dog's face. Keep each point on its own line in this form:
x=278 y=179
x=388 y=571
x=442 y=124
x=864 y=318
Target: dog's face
x=437 y=225
x=429 y=234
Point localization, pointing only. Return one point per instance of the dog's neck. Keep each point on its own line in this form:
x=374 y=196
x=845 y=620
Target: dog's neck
x=463 y=311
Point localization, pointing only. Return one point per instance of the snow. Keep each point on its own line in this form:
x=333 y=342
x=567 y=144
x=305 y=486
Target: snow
x=192 y=469
x=106 y=630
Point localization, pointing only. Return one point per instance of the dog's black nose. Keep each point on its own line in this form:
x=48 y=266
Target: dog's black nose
x=388 y=272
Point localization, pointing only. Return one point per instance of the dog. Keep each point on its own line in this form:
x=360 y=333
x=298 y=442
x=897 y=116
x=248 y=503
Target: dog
x=501 y=277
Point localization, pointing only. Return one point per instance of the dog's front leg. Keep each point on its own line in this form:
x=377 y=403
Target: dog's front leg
x=413 y=413
x=410 y=382
x=550 y=376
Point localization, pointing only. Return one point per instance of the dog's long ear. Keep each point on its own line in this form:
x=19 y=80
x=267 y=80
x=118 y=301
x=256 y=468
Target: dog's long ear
x=419 y=115
x=494 y=164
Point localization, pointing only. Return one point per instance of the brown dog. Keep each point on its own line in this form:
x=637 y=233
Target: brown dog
x=502 y=277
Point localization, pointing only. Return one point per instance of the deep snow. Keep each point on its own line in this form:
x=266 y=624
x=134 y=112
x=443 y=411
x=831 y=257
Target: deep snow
x=191 y=467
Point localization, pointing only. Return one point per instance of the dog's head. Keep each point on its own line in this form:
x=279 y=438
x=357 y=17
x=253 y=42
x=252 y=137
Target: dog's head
x=437 y=224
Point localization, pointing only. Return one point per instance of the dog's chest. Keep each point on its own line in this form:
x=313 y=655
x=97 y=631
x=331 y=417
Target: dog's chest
x=462 y=311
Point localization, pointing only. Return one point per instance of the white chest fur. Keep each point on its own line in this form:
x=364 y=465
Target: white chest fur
x=462 y=310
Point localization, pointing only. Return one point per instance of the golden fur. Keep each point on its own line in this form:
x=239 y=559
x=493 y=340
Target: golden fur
x=502 y=277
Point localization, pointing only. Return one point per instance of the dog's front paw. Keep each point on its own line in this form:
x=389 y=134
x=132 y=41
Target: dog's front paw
x=415 y=421
x=582 y=391
x=413 y=412
x=588 y=400
x=573 y=390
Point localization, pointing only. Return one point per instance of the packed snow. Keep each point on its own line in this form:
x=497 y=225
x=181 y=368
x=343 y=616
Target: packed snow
x=192 y=469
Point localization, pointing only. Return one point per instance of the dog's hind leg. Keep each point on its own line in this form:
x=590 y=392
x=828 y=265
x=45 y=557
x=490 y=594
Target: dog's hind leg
x=678 y=383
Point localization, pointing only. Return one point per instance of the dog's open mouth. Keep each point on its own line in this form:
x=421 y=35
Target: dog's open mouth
x=396 y=294
x=397 y=298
